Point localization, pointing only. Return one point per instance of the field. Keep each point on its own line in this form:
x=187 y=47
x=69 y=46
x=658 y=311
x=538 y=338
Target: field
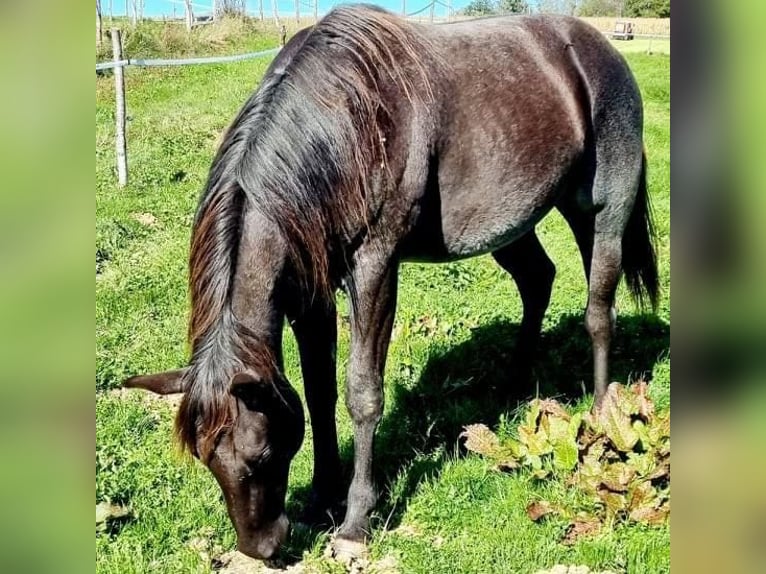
x=440 y=510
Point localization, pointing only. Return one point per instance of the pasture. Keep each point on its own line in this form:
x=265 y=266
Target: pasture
x=439 y=510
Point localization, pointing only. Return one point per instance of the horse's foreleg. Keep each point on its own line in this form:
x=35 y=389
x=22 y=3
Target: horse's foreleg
x=373 y=294
x=316 y=333
x=533 y=271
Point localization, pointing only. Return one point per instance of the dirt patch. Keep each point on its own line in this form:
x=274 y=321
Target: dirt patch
x=563 y=569
x=145 y=219
x=235 y=562
x=150 y=399
x=111 y=517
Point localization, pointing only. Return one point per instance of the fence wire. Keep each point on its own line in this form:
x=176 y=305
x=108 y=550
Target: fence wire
x=142 y=62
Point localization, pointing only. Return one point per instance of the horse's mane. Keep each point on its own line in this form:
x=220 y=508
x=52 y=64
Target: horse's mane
x=313 y=159
x=303 y=151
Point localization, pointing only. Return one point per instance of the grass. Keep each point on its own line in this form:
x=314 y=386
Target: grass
x=647 y=45
x=454 y=333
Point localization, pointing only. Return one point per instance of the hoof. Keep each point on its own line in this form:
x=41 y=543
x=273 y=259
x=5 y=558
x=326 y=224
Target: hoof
x=347 y=551
x=597 y=406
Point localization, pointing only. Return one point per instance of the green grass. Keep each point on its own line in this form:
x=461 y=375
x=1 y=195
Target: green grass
x=648 y=45
x=455 y=328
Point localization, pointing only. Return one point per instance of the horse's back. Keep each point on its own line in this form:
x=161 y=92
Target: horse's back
x=514 y=127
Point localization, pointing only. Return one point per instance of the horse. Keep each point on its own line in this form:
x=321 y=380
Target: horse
x=371 y=141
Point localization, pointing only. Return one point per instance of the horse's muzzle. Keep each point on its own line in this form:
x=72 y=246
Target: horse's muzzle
x=265 y=542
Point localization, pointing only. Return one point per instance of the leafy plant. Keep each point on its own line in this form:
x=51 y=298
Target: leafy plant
x=590 y=8
x=512 y=6
x=647 y=8
x=479 y=8
x=487 y=7
x=617 y=458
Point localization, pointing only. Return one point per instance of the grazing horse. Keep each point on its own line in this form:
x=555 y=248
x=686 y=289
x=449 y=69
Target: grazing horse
x=372 y=141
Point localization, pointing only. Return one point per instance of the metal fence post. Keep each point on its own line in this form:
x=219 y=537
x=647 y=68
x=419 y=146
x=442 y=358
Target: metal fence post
x=119 y=96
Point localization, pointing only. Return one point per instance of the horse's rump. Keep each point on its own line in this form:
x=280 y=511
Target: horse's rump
x=522 y=98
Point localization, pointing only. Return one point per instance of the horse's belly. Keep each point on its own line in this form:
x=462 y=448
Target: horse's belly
x=485 y=236
x=469 y=222
x=491 y=220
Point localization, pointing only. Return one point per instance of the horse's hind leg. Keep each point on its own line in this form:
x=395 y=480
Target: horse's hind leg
x=531 y=268
x=581 y=223
x=602 y=261
x=600 y=315
x=616 y=194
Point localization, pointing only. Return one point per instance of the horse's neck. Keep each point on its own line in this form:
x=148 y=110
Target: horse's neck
x=255 y=297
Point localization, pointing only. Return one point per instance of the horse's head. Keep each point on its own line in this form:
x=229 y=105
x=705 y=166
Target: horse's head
x=250 y=457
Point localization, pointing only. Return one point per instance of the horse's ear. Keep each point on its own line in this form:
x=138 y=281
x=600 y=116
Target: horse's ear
x=250 y=389
x=165 y=383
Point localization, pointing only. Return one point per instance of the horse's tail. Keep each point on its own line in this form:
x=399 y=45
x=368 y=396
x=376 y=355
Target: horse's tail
x=639 y=257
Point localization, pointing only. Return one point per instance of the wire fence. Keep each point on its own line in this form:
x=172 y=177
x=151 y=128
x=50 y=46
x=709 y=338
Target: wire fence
x=118 y=65
x=147 y=63
x=431 y=6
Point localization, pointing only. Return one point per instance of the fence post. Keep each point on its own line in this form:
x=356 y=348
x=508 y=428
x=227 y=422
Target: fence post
x=189 y=14
x=276 y=12
x=119 y=96
x=99 y=25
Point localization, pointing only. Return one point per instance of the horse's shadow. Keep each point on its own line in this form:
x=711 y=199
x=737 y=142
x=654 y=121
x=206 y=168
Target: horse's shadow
x=472 y=382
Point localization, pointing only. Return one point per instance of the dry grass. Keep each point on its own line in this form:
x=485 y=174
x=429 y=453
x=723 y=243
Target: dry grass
x=227 y=35
x=641 y=26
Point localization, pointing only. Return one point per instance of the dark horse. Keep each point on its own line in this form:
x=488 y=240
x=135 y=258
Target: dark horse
x=371 y=141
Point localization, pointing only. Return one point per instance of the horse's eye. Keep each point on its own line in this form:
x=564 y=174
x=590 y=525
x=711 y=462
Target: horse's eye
x=263 y=458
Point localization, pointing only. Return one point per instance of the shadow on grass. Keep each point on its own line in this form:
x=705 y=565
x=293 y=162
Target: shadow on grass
x=471 y=382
